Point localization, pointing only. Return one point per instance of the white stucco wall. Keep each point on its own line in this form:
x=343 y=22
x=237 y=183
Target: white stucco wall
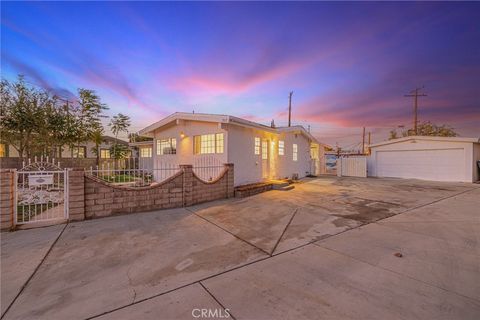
x=184 y=153
x=250 y=168
x=302 y=166
x=466 y=147
x=239 y=149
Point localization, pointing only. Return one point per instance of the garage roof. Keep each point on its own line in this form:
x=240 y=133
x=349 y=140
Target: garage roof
x=428 y=138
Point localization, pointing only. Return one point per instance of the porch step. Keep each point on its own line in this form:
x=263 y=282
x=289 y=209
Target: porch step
x=285 y=188
x=284 y=184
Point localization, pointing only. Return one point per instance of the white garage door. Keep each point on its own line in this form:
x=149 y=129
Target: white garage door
x=436 y=165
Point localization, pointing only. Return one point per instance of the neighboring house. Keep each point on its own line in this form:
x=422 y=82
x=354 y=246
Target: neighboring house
x=427 y=158
x=258 y=152
x=83 y=150
x=144 y=153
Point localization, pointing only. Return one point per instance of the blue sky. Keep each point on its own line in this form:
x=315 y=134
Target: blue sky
x=349 y=64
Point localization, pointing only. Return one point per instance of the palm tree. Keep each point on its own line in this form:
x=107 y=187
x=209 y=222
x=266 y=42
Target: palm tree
x=97 y=137
x=119 y=123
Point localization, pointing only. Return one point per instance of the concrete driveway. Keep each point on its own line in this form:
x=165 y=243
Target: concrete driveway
x=323 y=250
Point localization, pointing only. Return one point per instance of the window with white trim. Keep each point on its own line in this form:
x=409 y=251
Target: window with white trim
x=264 y=149
x=167 y=146
x=105 y=153
x=295 y=152
x=208 y=143
x=146 y=152
x=219 y=142
x=281 y=147
x=80 y=152
x=257 y=145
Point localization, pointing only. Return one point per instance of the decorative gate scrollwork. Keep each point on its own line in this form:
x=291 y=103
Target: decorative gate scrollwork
x=41 y=191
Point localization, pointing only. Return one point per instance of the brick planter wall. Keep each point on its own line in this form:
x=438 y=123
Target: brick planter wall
x=7 y=198
x=89 y=197
x=253 y=189
x=221 y=188
x=182 y=189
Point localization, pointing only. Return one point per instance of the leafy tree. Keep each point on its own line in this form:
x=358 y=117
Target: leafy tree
x=34 y=121
x=429 y=129
x=119 y=151
x=426 y=129
x=24 y=111
x=89 y=114
x=119 y=123
x=393 y=135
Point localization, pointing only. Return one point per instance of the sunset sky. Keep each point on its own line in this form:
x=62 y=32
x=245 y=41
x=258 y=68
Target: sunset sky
x=349 y=64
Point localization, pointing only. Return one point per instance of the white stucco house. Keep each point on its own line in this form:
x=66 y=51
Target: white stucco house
x=427 y=158
x=258 y=152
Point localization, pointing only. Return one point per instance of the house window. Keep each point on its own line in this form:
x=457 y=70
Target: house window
x=104 y=153
x=3 y=150
x=295 y=152
x=79 y=152
x=264 y=149
x=257 y=145
x=146 y=152
x=281 y=147
x=167 y=146
x=219 y=142
x=208 y=143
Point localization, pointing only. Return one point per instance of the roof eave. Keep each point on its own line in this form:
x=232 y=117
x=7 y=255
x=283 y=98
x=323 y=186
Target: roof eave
x=429 y=138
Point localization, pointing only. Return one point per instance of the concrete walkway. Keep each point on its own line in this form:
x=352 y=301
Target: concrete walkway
x=331 y=248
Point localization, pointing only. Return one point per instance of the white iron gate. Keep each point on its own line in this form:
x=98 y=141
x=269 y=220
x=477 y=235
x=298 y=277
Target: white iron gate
x=41 y=193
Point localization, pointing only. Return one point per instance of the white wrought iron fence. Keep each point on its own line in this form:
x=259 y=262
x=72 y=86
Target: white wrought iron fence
x=207 y=168
x=136 y=172
x=133 y=171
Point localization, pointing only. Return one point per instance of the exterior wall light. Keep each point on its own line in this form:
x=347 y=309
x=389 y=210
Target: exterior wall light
x=182 y=135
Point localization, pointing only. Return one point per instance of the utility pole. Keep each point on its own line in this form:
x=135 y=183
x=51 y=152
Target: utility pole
x=369 y=141
x=363 y=141
x=290 y=108
x=415 y=94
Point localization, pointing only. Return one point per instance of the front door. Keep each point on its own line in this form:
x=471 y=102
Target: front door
x=265 y=162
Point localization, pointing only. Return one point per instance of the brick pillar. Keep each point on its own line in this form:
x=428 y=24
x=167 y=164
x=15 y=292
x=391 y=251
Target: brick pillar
x=7 y=198
x=187 y=184
x=76 y=194
x=230 y=180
